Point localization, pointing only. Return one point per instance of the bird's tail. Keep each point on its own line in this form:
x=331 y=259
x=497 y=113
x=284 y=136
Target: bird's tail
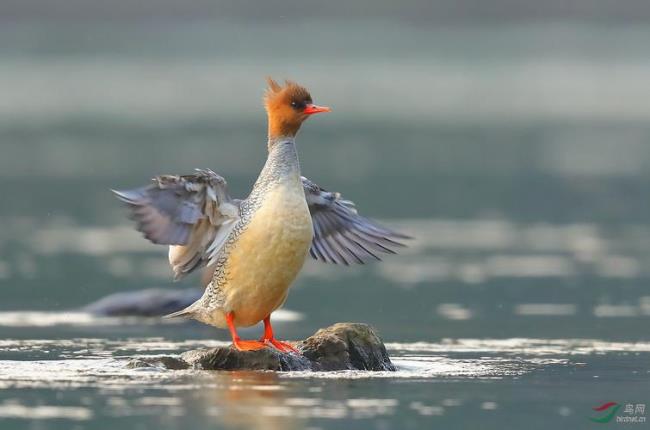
x=183 y=313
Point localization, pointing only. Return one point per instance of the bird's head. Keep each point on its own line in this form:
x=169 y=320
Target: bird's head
x=287 y=107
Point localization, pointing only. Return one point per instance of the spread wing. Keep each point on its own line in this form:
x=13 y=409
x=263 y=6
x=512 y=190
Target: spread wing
x=341 y=235
x=192 y=213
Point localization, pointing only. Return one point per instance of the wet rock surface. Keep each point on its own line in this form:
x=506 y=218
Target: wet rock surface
x=343 y=346
x=228 y=358
x=347 y=346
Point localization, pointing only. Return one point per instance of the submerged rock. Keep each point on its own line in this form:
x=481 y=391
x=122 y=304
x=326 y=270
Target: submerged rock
x=343 y=346
x=164 y=362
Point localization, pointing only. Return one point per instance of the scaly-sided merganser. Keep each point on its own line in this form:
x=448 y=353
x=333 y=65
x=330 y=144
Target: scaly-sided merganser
x=254 y=248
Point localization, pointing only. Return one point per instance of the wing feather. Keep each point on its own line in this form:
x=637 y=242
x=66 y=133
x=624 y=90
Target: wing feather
x=193 y=214
x=341 y=235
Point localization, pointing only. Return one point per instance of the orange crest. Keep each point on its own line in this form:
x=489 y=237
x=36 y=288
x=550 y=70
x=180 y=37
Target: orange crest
x=285 y=106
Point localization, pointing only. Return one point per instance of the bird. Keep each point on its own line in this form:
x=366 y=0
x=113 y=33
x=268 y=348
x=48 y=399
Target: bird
x=252 y=249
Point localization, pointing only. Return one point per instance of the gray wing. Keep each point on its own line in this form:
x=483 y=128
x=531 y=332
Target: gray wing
x=192 y=213
x=341 y=235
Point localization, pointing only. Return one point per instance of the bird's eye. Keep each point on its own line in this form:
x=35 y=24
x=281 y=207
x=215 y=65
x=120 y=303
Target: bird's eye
x=294 y=104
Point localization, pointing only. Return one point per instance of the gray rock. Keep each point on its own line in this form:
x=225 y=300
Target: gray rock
x=347 y=346
x=228 y=358
x=343 y=346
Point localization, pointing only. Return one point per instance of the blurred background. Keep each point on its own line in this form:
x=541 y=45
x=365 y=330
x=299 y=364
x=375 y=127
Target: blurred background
x=510 y=138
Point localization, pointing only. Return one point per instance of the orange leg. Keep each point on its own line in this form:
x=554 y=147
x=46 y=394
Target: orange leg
x=241 y=345
x=268 y=338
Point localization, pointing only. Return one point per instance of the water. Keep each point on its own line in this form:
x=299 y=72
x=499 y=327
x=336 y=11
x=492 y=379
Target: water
x=517 y=155
x=487 y=383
